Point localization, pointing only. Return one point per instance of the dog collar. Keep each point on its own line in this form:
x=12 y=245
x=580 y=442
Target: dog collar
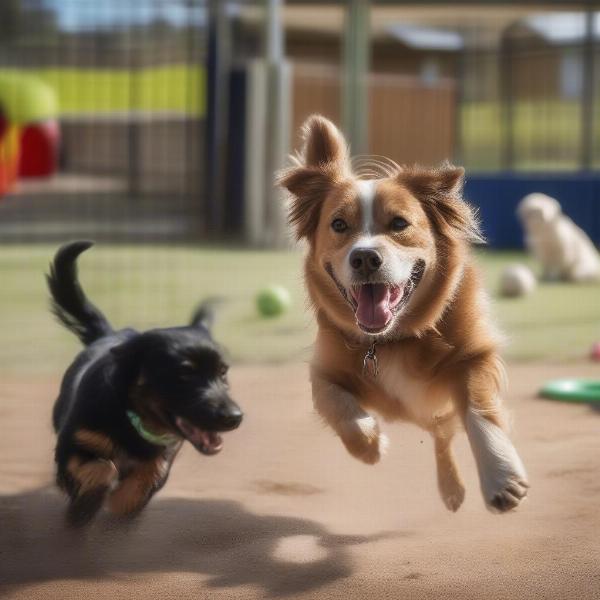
x=164 y=439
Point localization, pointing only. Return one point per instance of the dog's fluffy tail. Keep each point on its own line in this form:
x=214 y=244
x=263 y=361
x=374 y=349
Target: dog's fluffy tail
x=69 y=302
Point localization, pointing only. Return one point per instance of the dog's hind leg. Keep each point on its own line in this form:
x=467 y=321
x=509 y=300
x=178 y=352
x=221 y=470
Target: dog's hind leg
x=87 y=481
x=449 y=480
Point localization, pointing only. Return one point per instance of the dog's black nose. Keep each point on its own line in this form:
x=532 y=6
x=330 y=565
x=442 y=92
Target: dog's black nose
x=231 y=418
x=365 y=260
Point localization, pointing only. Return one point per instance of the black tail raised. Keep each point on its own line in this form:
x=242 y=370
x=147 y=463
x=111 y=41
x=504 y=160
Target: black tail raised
x=69 y=302
x=204 y=315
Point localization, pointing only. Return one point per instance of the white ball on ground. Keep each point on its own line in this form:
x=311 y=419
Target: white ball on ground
x=517 y=280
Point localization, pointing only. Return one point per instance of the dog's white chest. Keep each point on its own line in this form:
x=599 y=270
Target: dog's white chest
x=421 y=401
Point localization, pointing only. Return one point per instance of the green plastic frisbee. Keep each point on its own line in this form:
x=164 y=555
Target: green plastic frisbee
x=572 y=390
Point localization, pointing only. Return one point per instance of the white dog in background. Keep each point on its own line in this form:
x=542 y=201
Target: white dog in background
x=563 y=248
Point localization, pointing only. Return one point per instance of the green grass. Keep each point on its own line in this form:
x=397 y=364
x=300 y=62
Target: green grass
x=557 y=322
x=180 y=88
x=148 y=286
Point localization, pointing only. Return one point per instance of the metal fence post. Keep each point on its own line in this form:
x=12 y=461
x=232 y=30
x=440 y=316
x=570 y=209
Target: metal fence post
x=507 y=99
x=219 y=68
x=134 y=122
x=277 y=122
x=587 y=96
x=356 y=56
x=255 y=182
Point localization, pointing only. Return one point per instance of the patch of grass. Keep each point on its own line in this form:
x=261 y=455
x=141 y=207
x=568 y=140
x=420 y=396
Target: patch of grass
x=180 y=88
x=558 y=321
x=150 y=286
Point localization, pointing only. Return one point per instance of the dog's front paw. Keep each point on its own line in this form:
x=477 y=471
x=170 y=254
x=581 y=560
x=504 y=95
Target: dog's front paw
x=506 y=493
x=363 y=439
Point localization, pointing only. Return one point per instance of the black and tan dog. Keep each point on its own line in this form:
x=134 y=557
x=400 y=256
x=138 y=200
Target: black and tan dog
x=129 y=400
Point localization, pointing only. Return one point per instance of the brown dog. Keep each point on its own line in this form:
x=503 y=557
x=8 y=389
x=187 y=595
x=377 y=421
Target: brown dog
x=403 y=326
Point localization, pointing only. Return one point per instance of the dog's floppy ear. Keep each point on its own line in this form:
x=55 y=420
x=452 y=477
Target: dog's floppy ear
x=440 y=192
x=322 y=163
x=308 y=188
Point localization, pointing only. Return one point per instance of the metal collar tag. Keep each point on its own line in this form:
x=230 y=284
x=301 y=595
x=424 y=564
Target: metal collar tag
x=370 y=365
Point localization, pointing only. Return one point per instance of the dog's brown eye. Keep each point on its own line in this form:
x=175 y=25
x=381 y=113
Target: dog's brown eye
x=339 y=225
x=223 y=370
x=399 y=223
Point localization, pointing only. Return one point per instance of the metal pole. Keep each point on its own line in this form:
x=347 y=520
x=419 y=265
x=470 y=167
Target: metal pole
x=356 y=56
x=506 y=97
x=459 y=101
x=219 y=67
x=134 y=124
x=277 y=122
x=273 y=32
x=587 y=96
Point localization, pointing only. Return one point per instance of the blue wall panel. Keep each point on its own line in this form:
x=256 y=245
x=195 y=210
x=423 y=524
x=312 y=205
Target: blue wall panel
x=497 y=196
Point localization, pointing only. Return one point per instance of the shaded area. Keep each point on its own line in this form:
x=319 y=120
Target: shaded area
x=216 y=538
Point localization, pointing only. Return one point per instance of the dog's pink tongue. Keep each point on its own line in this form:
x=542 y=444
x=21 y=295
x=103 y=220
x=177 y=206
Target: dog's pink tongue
x=373 y=311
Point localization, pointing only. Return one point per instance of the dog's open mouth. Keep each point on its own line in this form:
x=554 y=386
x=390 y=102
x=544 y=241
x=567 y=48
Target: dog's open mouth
x=207 y=442
x=376 y=304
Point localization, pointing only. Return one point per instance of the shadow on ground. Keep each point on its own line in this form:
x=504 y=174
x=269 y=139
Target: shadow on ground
x=219 y=539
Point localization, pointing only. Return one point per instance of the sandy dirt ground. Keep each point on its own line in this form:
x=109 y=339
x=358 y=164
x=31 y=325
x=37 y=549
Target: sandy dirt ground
x=283 y=511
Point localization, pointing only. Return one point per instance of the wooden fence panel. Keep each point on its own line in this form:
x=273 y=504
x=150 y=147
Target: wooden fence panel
x=315 y=89
x=409 y=121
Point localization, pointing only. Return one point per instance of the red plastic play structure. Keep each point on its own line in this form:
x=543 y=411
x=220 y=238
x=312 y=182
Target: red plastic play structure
x=29 y=131
x=39 y=149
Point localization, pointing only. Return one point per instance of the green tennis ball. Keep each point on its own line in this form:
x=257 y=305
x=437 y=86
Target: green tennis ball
x=273 y=300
